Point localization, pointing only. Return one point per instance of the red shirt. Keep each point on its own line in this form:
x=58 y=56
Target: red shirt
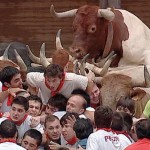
x=141 y=144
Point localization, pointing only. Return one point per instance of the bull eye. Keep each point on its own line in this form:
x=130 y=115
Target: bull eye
x=92 y=29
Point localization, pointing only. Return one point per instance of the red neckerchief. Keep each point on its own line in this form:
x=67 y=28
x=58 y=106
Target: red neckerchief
x=53 y=93
x=7 y=140
x=94 y=105
x=10 y=97
x=1 y=115
x=18 y=123
x=72 y=141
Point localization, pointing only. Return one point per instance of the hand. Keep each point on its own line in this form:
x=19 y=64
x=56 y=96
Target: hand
x=71 y=120
x=34 y=122
x=54 y=146
x=13 y=91
x=6 y=114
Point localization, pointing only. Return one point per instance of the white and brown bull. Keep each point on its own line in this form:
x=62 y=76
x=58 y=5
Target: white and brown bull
x=100 y=31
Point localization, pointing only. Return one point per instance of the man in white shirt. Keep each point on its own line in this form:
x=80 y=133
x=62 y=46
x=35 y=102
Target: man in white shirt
x=8 y=134
x=55 y=80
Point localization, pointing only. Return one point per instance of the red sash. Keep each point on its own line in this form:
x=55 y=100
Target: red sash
x=72 y=141
x=53 y=93
x=7 y=140
x=10 y=97
x=18 y=123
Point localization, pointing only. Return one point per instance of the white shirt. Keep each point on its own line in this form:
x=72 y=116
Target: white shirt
x=103 y=140
x=4 y=107
x=25 y=126
x=10 y=146
x=72 y=81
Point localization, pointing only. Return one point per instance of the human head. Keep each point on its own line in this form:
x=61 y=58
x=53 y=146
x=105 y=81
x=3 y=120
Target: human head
x=142 y=128
x=8 y=129
x=95 y=95
x=103 y=116
x=78 y=102
x=19 y=107
x=52 y=127
x=11 y=77
x=35 y=105
x=32 y=139
x=83 y=128
x=56 y=103
x=53 y=75
x=67 y=130
x=126 y=104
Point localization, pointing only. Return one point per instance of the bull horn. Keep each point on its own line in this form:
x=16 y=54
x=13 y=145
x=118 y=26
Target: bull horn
x=100 y=63
x=58 y=42
x=34 y=58
x=43 y=59
x=20 y=62
x=70 y=13
x=146 y=76
x=106 y=13
x=5 y=55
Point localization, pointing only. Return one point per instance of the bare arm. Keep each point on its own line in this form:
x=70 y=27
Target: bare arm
x=3 y=95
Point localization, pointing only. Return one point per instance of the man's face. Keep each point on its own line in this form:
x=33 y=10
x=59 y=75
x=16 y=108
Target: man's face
x=34 y=108
x=17 y=112
x=95 y=95
x=53 y=129
x=53 y=82
x=16 y=81
x=67 y=132
x=29 y=143
x=75 y=104
x=50 y=109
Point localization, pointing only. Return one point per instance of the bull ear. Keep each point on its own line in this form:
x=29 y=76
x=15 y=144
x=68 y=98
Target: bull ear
x=106 y=13
x=70 y=13
x=58 y=42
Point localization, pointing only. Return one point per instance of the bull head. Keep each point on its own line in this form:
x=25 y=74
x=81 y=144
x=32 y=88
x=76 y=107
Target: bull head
x=102 y=13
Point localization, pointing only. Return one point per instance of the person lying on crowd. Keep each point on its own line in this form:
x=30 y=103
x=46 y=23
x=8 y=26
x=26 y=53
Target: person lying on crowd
x=55 y=80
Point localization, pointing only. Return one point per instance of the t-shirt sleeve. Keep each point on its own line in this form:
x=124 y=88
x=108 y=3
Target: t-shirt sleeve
x=146 y=111
x=80 y=81
x=34 y=78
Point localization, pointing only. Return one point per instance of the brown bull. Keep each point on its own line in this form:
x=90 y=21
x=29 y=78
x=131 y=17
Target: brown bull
x=114 y=86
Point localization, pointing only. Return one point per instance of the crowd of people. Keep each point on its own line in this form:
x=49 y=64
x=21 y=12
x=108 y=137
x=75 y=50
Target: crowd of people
x=59 y=110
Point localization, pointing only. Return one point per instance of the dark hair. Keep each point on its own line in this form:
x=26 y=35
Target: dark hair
x=35 y=134
x=83 y=128
x=54 y=70
x=50 y=118
x=103 y=116
x=59 y=101
x=117 y=122
x=20 y=100
x=36 y=99
x=8 y=129
x=126 y=102
x=64 y=118
x=7 y=73
x=84 y=94
x=142 y=128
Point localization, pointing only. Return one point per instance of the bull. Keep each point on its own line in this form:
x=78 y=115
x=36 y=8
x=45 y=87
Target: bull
x=100 y=31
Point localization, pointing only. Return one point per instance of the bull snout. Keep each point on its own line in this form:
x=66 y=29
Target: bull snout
x=76 y=52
